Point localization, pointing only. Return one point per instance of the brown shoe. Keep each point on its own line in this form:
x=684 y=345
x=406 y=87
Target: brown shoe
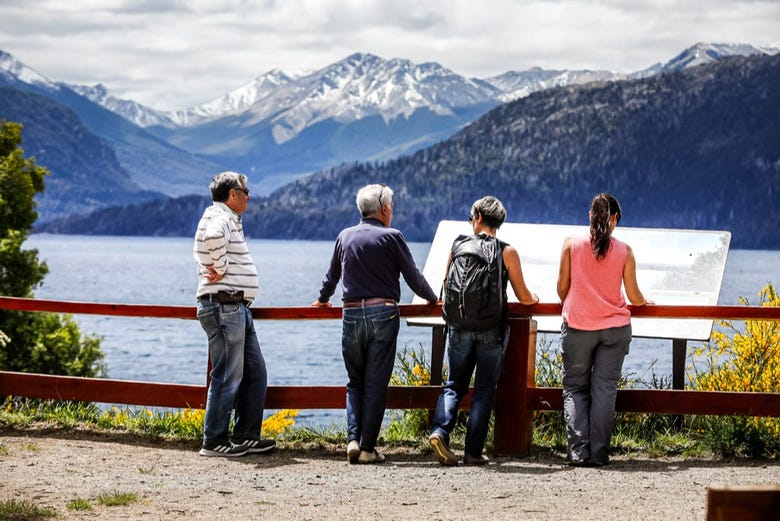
x=443 y=453
x=471 y=460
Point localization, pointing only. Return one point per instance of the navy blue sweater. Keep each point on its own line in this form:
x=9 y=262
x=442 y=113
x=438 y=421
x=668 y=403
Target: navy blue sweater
x=369 y=258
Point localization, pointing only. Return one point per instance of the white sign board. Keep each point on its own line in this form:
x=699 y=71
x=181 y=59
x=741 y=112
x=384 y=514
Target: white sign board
x=674 y=267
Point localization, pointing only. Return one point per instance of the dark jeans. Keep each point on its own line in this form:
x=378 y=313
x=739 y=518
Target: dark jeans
x=368 y=344
x=467 y=350
x=238 y=373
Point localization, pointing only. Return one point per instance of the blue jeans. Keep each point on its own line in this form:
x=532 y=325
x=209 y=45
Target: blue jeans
x=467 y=350
x=592 y=364
x=368 y=344
x=238 y=374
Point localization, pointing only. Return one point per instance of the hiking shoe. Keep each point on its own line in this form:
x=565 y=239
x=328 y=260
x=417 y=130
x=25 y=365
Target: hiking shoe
x=257 y=446
x=370 y=457
x=473 y=460
x=353 y=452
x=443 y=453
x=223 y=450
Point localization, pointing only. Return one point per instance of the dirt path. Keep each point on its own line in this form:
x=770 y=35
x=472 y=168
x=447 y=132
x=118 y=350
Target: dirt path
x=173 y=482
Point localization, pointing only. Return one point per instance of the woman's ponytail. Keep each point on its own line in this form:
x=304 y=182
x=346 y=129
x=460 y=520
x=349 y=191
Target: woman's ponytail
x=602 y=208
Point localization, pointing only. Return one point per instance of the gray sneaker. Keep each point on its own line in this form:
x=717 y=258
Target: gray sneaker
x=223 y=450
x=442 y=451
x=370 y=457
x=353 y=452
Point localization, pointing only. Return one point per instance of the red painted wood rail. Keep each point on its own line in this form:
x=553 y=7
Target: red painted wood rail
x=517 y=396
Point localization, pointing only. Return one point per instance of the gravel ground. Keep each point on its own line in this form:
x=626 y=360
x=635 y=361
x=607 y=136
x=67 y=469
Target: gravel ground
x=173 y=482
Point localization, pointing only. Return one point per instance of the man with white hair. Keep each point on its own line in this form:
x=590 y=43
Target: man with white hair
x=368 y=259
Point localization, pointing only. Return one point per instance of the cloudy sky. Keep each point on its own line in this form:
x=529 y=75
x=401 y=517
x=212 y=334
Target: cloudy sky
x=171 y=54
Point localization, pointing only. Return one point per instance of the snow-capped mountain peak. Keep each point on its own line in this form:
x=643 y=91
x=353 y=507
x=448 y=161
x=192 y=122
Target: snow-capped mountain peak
x=233 y=102
x=12 y=67
x=518 y=84
x=771 y=49
x=363 y=85
x=139 y=114
x=709 y=52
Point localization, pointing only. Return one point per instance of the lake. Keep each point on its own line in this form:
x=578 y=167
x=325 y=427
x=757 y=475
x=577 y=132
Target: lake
x=153 y=270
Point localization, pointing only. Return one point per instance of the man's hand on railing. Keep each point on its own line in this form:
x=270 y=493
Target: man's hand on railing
x=318 y=304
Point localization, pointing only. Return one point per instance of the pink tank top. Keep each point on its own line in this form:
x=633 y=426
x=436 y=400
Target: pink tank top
x=595 y=298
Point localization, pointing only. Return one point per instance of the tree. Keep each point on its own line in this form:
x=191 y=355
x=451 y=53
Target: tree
x=32 y=342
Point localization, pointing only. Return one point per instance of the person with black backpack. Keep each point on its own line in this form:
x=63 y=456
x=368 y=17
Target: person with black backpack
x=474 y=308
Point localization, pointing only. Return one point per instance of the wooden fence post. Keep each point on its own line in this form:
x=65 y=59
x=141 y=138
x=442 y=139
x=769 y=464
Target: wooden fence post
x=743 y=502
x=514 y=410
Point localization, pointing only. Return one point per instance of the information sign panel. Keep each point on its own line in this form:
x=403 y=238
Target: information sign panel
x=674 y=267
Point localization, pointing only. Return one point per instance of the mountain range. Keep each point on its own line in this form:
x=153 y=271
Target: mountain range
x=695 y=147
x=276 y=128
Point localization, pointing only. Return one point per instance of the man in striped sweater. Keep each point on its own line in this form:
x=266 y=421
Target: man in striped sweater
x=227 y=285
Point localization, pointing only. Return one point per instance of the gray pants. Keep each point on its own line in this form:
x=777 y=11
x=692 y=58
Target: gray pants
x=592 y=364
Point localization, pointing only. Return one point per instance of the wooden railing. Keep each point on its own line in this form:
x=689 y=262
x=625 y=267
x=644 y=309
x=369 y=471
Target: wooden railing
x=517 y=396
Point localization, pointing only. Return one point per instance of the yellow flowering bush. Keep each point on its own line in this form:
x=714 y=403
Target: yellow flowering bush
x=279 y=423
x=187 y=423
x=191 y=421
x=115 y=417
x=412 y=368
x=742 y=359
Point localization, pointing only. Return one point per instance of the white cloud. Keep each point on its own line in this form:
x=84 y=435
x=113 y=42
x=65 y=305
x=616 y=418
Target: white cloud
x=176 y=53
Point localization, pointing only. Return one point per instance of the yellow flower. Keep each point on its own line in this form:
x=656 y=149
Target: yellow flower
x=279 y=422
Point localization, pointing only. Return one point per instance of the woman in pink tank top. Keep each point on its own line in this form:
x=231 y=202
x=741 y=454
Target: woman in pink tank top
x=596 y=330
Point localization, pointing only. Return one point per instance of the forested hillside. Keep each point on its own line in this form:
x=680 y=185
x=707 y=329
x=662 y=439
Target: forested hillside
x=84 y=169
x=698 y=148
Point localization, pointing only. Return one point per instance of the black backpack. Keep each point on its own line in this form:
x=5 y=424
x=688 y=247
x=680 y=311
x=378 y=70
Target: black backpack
x=473 y=292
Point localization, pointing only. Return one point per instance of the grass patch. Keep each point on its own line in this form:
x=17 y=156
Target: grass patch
x=79 y=504
x=23 y=510
x=116 y=498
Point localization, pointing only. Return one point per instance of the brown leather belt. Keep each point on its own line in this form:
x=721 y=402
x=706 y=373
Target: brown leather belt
x=359 y=303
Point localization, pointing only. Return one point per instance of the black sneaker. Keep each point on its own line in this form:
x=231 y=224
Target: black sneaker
x=224 y=450
x=257 y=446
x=468 y=459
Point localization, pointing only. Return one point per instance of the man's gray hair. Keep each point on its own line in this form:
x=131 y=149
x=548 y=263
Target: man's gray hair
x=491 y=209
x=371 y=198
x=223 y=182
